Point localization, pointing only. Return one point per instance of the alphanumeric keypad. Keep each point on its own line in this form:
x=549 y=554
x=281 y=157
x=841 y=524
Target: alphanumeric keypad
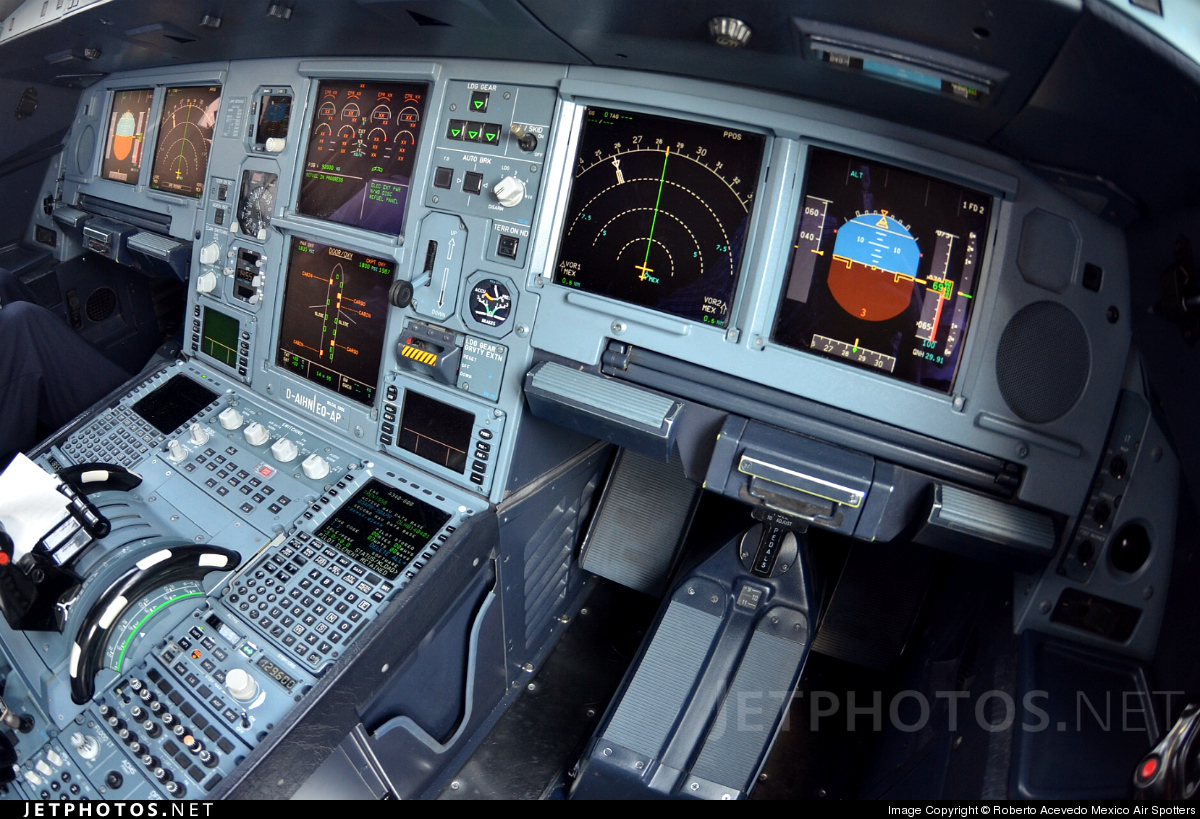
x=317 y=599
x=121 y=436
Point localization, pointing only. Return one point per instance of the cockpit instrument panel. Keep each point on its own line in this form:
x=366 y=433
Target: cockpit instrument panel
x=125 y=141
x=332 y=324
x=185 y=133
x=884 y=268
x=361 y=152
x=658 y=212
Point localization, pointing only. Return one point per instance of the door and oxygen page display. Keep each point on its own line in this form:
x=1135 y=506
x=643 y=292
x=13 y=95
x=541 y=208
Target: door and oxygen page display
x=884 y=268
x=334 y=313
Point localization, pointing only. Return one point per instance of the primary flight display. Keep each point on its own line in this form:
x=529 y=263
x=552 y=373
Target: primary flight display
x=126 y=137
x=884 y=268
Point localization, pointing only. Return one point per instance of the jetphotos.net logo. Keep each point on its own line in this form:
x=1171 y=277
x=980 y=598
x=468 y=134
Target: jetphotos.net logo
x=912 y=711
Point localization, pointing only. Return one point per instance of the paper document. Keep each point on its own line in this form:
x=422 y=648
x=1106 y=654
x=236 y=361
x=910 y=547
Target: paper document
x=30 y=504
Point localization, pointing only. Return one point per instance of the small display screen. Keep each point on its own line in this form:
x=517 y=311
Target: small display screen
x=658 y=212
x=219 y=337
x=185 y=133
x=273 y=118
x=435 y=431
x=334 y=314
x=884 y=268
x=361 y=150
x=383 y=528
x=177 y=401
x=276 y=673
x=125 y=142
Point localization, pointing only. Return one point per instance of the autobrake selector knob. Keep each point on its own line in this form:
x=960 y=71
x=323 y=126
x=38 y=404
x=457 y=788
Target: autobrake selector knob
x=241 y=685
x=198 y=435
x=509 y=191
x=284 y=450
x=315 y=467
x=230 y=418
x=256 y=434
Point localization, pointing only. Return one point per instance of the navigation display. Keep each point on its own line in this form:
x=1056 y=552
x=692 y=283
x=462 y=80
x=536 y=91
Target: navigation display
x=334 y=312
x=123 y=146
x=361 y=151
x=185 y=133
x=383 y=528
x=884 y=268
x=658 y=212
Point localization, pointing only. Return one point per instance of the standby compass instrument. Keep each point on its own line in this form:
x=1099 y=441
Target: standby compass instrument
x=659 y=211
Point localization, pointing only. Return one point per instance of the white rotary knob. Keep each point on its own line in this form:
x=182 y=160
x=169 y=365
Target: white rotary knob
x=284 y=450
x=176 y=454
x=206 y=282
x=509 y=191
x=256 y=434
x=315 y=467
x=241 y=685
x=198 y=435
x=230 y=418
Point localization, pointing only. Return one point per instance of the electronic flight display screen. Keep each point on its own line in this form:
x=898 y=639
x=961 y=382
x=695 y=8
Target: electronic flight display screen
x=884 y=268
x=185 y=133
x=361 y=151
x=334 y=313
x=126 y=137
x=383 y=528
x=659 y=211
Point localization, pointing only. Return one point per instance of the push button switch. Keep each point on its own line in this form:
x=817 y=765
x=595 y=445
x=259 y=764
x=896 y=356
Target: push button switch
x=472 y=182
x=442 y=177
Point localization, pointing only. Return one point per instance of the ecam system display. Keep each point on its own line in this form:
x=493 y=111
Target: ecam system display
x=334 y=312
x=361 y=151
x=884 y=268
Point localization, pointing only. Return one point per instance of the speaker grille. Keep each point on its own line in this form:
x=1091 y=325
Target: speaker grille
x=100 y=304
x=1043 y=362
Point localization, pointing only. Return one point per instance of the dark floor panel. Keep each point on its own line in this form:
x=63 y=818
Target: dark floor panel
x=822 y=757
x=545 y=730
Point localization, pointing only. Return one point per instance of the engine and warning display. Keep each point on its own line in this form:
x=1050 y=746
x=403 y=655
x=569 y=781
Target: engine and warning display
x=361 y=149
x=185 y=134
x=659 y=211
x=334 y=311
x=126 y=137
x=884 y=268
